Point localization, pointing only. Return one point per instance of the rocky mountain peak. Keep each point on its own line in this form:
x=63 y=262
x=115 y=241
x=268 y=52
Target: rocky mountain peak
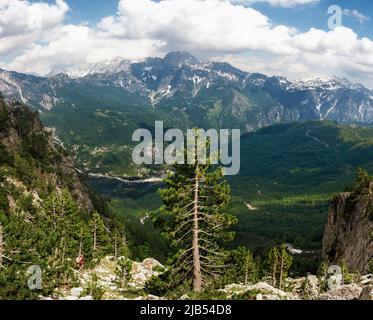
x=326 y=83
x=113 y=66
x=180 y=58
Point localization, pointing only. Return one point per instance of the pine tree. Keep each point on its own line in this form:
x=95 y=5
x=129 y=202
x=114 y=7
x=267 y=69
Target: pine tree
x=278 y=264
x=100 y=236
x=272 y=263
x=195 y=219
x=241 y=267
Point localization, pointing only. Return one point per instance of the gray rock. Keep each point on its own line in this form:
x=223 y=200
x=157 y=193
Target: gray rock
x=367 y=293
x=76 y=292
x=346 y=292
x=354 y=246
x=306 y=287
x=367 y=279
x=267 y=291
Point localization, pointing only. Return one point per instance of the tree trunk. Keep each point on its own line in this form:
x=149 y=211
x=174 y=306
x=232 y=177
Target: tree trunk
x=1 y=246
x=115 y=248
x=247 y=271
x=81 y=243
x=94 y=239
x=281 y=270
x=197 y=275
x=63 y=250
x=274 y=272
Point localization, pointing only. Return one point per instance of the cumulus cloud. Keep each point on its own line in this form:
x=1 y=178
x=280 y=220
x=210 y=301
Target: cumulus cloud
x=23 y=22
x=278 y=3
x=213 y=29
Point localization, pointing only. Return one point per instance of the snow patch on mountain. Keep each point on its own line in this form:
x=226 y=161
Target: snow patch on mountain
x=107 y=66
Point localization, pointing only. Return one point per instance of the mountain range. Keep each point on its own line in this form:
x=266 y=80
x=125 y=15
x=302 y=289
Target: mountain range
x=301 y=142
x=222 y=95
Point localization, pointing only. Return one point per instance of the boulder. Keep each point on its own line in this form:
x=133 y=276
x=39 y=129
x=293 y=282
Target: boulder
x=367 y=293
x=306 y=287
x=345 y=292
x=142 y=272
x=263 y=291
x=367 y=279
x=76 y=292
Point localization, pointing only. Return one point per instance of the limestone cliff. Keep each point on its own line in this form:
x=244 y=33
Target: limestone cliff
x=349 y=231
x=31 y=161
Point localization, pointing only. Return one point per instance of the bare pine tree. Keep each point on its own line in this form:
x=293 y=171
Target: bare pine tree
x=194 y=218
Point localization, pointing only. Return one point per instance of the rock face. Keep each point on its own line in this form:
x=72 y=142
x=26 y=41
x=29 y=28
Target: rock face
x=22 y=134
x=348 y=233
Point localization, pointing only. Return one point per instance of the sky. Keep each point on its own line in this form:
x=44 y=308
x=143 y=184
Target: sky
x=292 y=38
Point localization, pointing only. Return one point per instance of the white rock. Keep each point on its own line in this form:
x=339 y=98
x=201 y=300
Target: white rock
x=346 y=292
x=71 y=298
x=367 y=293
x=367 y=279
x=76 y=292
x=307 y=287
x=268 y=292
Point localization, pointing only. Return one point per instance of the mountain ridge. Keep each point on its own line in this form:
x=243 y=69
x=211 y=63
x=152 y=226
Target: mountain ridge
x=179 y=80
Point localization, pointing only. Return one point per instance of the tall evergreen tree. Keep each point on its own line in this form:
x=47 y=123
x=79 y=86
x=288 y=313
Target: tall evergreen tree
x=278 y=264
x=195 y=219
x=101 y=242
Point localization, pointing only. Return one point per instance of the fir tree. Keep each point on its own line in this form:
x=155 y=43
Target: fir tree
x=278 y=265
x=195 y=219
x=100 y=236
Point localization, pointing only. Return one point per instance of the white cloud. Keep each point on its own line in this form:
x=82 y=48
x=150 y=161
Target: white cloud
x=278 y=3
x=209 y=29
x=356 y=14
x=23 y=22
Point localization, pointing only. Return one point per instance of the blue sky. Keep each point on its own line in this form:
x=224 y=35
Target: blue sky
x=302 y=17
x=290 y=38
x=306 y=17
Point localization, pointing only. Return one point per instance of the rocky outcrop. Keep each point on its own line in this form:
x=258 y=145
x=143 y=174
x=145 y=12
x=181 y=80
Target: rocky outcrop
x=110 y=281
x=345 y=292
x=307 y=287
x=22 y=135
x=259 y=291
x=349 y=230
